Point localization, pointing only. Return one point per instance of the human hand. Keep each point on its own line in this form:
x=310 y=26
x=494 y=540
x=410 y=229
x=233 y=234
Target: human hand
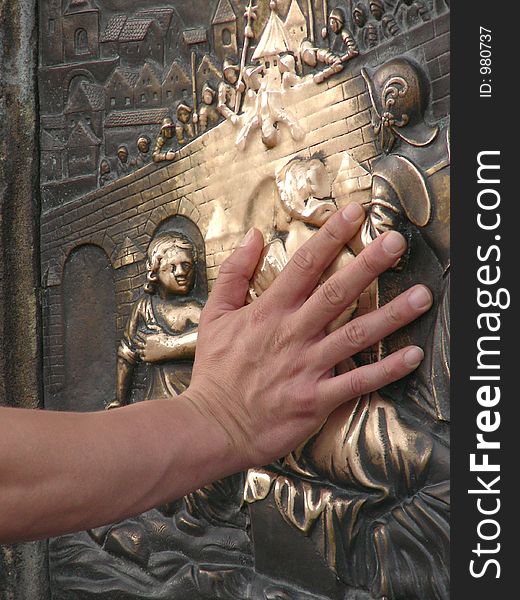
x=264 y=372
x=170 y=155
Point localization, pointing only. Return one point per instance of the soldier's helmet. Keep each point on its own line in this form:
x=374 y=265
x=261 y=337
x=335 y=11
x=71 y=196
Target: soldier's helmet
x=377 y=8
x=359 y=15
x=399 y=93
x=167 y=123
x=338 y=14
x=184 y=108
x=207 y=88
x=231 y=64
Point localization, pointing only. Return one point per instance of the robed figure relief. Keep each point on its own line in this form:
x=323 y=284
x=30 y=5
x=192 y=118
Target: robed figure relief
x=162 y=327
x=370 y=488
x=411 y=193
x=161 y=334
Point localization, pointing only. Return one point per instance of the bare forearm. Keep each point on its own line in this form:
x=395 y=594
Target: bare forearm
x=77 y=471
x=262 y=383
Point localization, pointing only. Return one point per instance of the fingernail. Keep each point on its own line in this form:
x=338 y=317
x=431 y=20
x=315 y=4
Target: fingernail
x=420 y=298
x=248 y=238
x=413 y=357
x=353 y=212
x=393 y=242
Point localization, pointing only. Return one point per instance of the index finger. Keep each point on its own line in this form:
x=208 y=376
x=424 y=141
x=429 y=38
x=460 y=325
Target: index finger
x=302 y=273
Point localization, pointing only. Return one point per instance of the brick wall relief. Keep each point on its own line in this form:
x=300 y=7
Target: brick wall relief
x=108 y=68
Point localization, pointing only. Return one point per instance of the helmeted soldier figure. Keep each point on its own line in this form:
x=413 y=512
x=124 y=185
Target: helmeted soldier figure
x=164 y=144
x=343 y=43
x=208 y=113
x=143 y=152
x=384 y=24
x=412 y=12
x=122 y=166
x=105 y=173
x=184 y=131
x=375 y=26
x=343 y=48
x=359 y=15
x=410 y=189
x=227 y=91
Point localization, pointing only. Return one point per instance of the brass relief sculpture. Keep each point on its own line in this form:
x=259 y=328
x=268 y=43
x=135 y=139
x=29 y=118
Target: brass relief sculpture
x=161 y=330
x=167 y=132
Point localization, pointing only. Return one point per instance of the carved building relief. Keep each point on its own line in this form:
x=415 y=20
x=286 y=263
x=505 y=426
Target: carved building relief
x=167 y=132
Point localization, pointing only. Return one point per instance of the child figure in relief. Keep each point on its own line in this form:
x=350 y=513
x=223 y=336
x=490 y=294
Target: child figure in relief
x=162 y=328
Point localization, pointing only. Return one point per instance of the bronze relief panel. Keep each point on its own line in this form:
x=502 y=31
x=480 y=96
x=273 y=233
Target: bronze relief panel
x=166 y=133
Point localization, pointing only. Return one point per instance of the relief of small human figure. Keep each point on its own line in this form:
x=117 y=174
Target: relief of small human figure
x=287 y=67
x=208 y=114
x=142 y=157
x=227 y=91
x=123 y=164
x=105 y=173
x=162 y=328
x=375 y=24
x=252 y=78
x=184 y=131
x=360 y=19
x=341 y=40
x=388 y=26
x=263 y=105
x=162 y=332
x=306 y=203
x=412 y=12
x=342 y=47
x=164 y=149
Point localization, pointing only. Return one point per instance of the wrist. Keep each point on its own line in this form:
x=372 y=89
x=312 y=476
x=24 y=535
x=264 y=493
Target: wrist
x=223 y=454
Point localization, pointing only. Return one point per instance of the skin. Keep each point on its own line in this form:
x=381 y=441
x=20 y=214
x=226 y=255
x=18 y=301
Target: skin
x=262 y=383
x=123 y=155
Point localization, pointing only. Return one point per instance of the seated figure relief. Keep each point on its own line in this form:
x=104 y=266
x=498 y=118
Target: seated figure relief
x=371 y=487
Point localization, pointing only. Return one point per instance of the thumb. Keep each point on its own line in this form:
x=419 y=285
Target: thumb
x=230 y=289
